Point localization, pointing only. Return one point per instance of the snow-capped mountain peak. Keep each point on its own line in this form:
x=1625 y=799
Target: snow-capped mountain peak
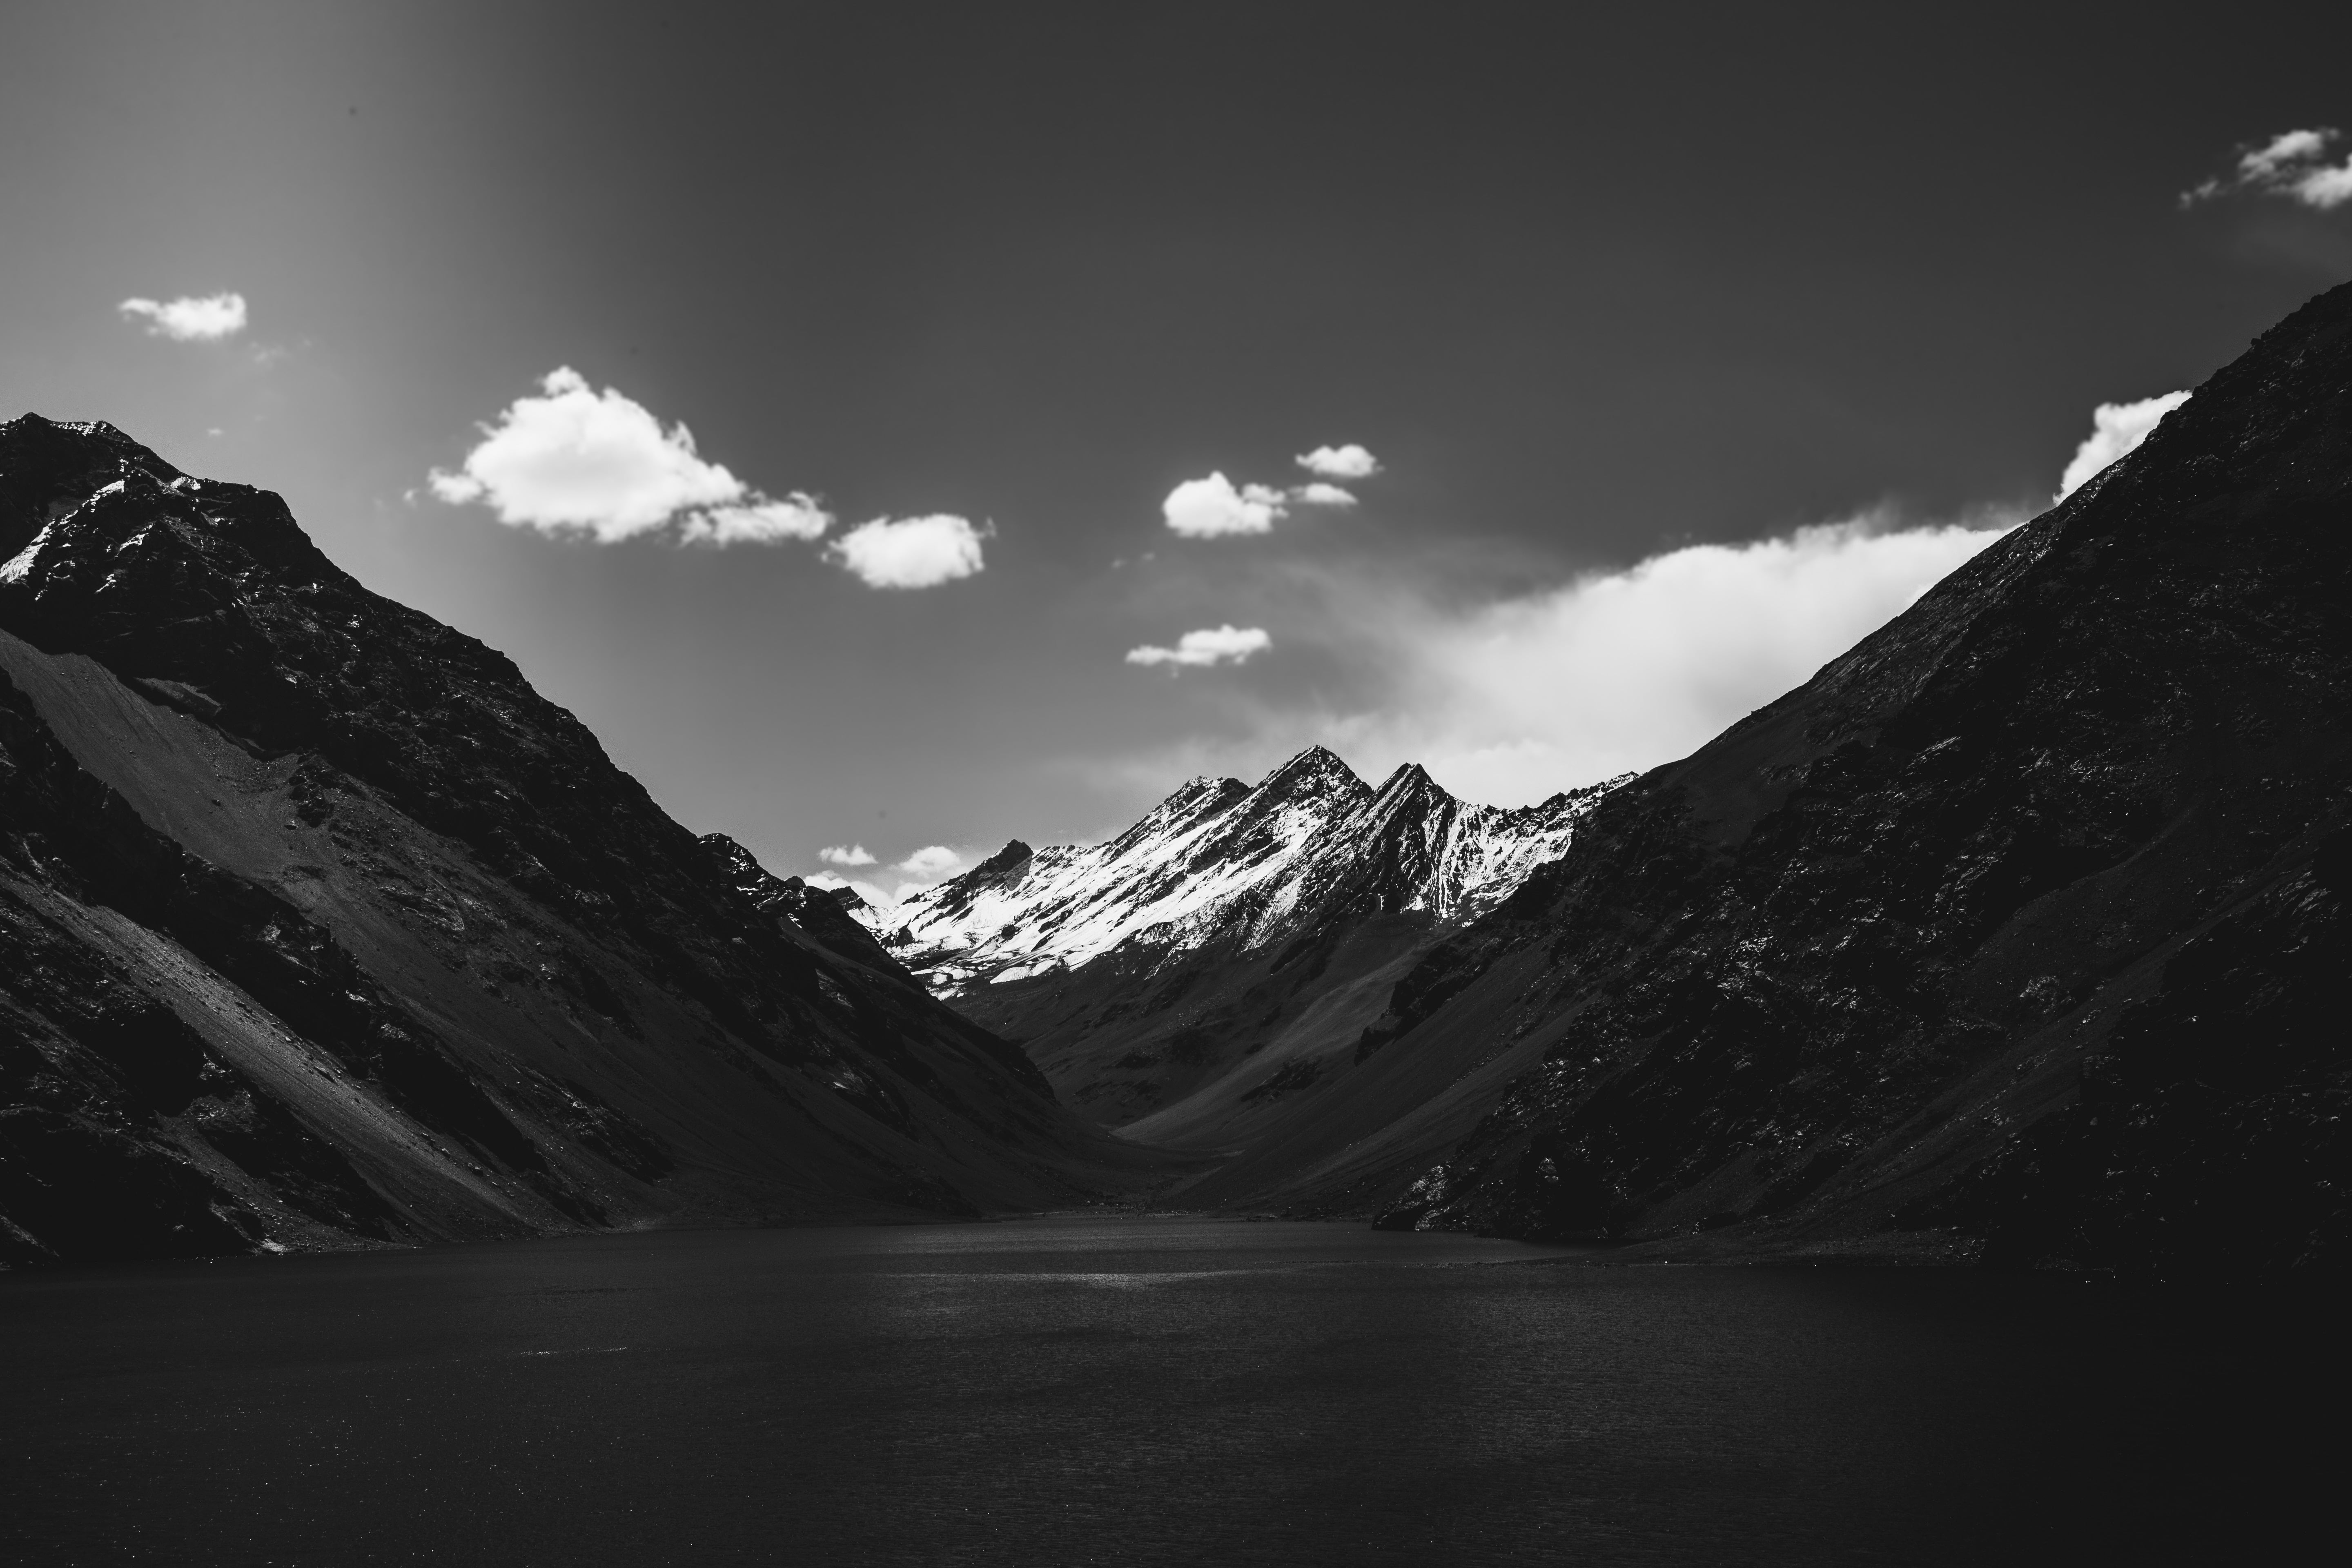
x=1220 y=863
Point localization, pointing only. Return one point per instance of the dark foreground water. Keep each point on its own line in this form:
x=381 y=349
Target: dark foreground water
x=1122 y=1391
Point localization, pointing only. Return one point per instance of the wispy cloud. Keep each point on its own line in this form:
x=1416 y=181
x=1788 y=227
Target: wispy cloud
x=846 y=855
x=190 y=319
x=2116 y=429
x=910 y=552
x=1210 y=646
x=2292 y=164
x=1347 y=462
x=573 y=461
x=1321 y=494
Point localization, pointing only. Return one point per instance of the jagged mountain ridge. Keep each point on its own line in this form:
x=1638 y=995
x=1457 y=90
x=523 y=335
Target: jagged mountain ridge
x=1221 y=863
x=1217 y=960
x=2017 y=933
x=321 y=927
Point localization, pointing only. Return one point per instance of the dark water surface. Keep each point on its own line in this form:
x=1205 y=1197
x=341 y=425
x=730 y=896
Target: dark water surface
x=1093 y=1390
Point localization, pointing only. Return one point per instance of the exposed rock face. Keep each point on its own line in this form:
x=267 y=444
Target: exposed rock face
x=2019 y=932
x=1211 y=970
x=319 y=926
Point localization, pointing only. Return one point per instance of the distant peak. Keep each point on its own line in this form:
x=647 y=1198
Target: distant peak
x=1014 y=853
x=1412 y=779
x=1314 y=764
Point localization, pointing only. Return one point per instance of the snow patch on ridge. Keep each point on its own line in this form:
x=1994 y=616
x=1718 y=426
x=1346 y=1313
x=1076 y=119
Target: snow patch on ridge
x=1222 y=863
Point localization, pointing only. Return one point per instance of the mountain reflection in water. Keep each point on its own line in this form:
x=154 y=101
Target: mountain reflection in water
x=1088 y=1389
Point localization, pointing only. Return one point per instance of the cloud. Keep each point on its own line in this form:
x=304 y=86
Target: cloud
x=851 y=854
x=2291 y=164
x=1210 y=646
x=1205 y=508
x=2116 y=429
x=1320 y=494
x=573 y=461
x=1347 y=462
x=909 y=551
x=798 y=516
x=190 y=320
x=931 y=860
x=1623 y=670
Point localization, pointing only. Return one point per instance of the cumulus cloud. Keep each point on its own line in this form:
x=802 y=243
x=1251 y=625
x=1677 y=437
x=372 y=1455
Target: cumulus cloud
x=910 y=552
x=931 y=860
x=1210 y=646
x=1347 y=462
x=2116 y=429
x=2292 y=164
x=190 y=319
x=846 y=855
x=1321 y=494
x=574 y=461
x=1205 y=509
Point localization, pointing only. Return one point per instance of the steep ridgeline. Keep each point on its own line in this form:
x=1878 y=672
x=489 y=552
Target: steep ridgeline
x=1213 y=968
x=2020 y=931
x=319 y=927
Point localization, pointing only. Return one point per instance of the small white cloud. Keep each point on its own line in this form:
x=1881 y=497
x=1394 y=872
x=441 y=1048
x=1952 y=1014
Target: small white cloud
x=2116 y=429
x=1321 y=494
x=577 y=461
x=931 y=860
x=190 y=319
x=2291 y=164
x=1206 y=508
x=1347 y=462
x=797 y=516
x=848 y=855
x=1210 y=646
x=910 y=552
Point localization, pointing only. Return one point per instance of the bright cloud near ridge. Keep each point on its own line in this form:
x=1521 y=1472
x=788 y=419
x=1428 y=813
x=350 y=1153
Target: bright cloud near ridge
x=1210 y=646
x=2116 y=429
x=1619 y=671
x=909 y=551
x=574 y=461
x=1205 y=508
x=2292 y=164
x=846 y=855
x=925 y=868
x=190 y=319
x=931 y=860
x=1347 y=462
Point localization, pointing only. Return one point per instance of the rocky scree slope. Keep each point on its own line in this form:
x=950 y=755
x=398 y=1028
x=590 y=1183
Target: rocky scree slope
x=2019 y=932
x=1208 y=969
x=319 y=927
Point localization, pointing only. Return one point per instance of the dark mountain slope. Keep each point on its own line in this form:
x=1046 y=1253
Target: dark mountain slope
x=322 y=925
x=2020 y=932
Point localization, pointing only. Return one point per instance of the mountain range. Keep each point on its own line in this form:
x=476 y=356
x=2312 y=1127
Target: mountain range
x=2015 y=936
x=1214 y=960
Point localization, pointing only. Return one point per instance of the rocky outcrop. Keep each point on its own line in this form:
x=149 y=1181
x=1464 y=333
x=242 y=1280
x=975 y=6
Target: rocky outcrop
x=319 y=927
x=2017 y=933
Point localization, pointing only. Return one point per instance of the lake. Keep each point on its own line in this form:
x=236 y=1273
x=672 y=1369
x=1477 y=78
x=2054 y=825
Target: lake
x=1092 y=1389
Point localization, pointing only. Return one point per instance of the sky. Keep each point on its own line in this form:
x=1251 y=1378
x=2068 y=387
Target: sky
x=897 y=429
